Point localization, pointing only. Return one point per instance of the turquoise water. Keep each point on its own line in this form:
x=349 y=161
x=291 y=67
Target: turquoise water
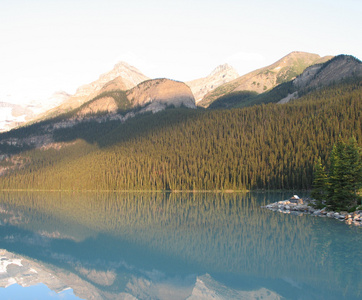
x=173 y=246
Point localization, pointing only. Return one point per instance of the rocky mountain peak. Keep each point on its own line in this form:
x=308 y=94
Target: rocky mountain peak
x=124 y=70
x=118 y=83
x=122 y=76
x=131 y=75
x=261 y=80
x=335 y=70
x=225 y=68
x=220 y=75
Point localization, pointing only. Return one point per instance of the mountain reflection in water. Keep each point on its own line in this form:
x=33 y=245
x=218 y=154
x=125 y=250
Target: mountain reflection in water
x=175 y=246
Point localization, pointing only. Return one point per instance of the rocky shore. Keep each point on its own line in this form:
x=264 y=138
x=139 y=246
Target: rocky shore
x=297 y=206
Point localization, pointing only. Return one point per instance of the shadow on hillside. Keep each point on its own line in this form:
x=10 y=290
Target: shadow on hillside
x=109 y=133
x=103 y=134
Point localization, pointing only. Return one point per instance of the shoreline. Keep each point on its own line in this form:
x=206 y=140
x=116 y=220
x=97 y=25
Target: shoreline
x=129 y=191
x=297 y=206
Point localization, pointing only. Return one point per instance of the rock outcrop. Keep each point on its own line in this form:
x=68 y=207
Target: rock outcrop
x=103 y=105
x=337 y=69
x=159 y=93
x=107 y=98
x=221 y=75
x=300 y=207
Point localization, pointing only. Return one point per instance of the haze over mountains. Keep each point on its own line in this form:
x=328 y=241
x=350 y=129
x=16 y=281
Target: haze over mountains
x=222 y=80
x=122 y=76
x=13 y=115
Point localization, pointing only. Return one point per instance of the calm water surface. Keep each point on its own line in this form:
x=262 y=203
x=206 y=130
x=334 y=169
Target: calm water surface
x=171 y=246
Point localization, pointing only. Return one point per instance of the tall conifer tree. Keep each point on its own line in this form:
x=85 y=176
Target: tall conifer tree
x=320 y=182
x=345 y=175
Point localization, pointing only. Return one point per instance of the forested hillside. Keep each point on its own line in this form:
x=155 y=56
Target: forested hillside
x=265 y=146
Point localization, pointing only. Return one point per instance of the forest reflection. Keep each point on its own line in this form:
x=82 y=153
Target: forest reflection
x=179 y=234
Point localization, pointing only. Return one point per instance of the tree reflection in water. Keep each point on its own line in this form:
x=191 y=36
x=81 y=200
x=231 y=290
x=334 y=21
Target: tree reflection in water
x=116 y=242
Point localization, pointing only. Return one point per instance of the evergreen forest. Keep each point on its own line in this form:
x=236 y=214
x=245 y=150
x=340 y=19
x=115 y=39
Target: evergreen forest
x=267 y=146
x=339 y=188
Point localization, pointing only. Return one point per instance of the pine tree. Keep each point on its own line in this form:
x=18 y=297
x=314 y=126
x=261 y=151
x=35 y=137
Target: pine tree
x=354 y=167
x=336 y=184
x=320 y=182
x=345 y=175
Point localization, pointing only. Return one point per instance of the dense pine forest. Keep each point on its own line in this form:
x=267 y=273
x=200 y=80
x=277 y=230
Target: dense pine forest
x=260 y=147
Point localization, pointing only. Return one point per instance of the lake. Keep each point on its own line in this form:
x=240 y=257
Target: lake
x=83 y=245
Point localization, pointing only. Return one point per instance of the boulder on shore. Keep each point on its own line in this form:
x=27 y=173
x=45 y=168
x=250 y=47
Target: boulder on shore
x=300 y=207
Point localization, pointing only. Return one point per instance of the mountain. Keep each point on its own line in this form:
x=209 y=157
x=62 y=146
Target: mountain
x=268 y=77
x=221 y=75
x=123 y=76
x=106 y=107
x=56 y=99
x=338 y=69
x=334 y=71
x=129 y=75
x=12 y=115
x=180 y=148
x=161 y=92
x=185 y=149
x=151 y=95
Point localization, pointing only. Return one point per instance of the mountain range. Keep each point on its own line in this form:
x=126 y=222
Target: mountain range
x=333 y=71
x=224 y=79
x=156 y=127
x=261 y=80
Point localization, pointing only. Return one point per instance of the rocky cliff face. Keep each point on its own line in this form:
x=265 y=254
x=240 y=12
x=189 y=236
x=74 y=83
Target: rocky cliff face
x=159 y=93
x=267 y=78
x=337 y=69
x=118 y=83
x=222 y=74
x=103 y=105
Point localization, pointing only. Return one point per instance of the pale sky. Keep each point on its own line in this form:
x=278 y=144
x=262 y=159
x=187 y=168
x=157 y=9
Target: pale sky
x=59 y=45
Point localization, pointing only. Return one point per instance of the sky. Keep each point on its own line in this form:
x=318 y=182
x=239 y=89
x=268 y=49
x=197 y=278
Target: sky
x=58 y=45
